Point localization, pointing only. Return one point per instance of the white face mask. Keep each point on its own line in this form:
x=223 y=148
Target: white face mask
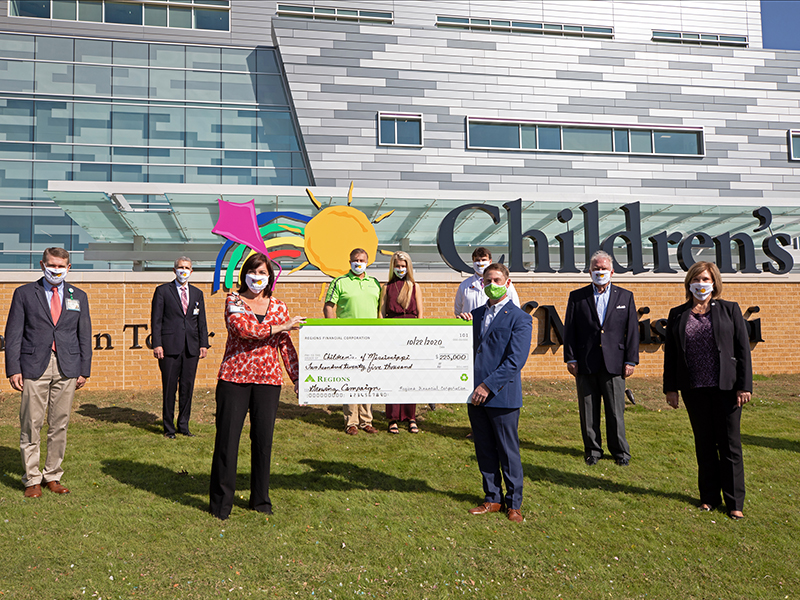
x=256 y=283
x=358 y=267
x=182 y=275
x=601 y=277
x=480 y=266
x=55 y=276
x=400 y=272
x=701 y=291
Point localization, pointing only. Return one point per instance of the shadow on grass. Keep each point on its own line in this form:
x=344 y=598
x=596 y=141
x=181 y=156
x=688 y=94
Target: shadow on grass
x=120 y=414
x=11 y=468
x=565 y=450
x=321 y=416
x=344 y=476
x=770 y=442
x=537 y=473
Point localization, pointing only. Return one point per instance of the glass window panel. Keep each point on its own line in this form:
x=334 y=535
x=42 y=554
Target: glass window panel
x=640 y=142
x=587 y=139
x=53 y=78
x=214 y=20
x=16 y=75
x=15 y=180
x=213 y=2
x=167 y=125
x=16 y=120
x=238 y=87
x=276 y=131
x=167 y=84
x=621 y=140
x=458 y=20
x=528 y=134
x=53 y=48
x=673 y=142
x=16 y=151
x=44 y=172
x=480 y=21
x=691 y=36
x=203 y=128
x=409 y=132
x=275 y=159
x=606 y=30
x=240 y=176
x=274 y=177
x=53 y=121
x=17 y=46
x=52 y=152
x=124 y=13
x=129 y=83
x=91 y=172
x=121 y=154
x=93 y=51
x=269 y=90
x=39 y=9
x=387 y=131
x=549 y=137
x=129 y=125
x=666 y=34
x=493 y=135
x=130 y=53
x=573 y=28
x=133 y=173
x=203 y=58
x=203 y=175
x=202 y=85
x=91 y=154
x=238 y=59
x=204 y=157
x=90 y=10
x=155 y=16
x=796 y=147
x=162 y=55
x=297 y=160
x=266 y=61
x=180 y=17
x=298 y=177
x=92 y=81
x=240 y=159
x=376 y=15
x=166 y=174
x=65 y=9
x=91 y=123
x=173 y=156
x=239 y=129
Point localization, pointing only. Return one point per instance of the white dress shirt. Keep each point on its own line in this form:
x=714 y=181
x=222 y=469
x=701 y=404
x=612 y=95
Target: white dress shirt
x=470 y=295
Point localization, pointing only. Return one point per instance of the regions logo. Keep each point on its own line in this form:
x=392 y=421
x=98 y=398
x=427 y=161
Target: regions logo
x=309 y=378
x=326 y=238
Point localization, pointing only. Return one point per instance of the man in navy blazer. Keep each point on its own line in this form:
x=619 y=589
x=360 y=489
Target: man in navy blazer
x=501 y=338
x=601 y=349
x=180 y=339
x=48 y=356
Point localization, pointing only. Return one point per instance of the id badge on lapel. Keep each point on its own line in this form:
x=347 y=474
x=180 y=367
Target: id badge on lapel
x=196 y=310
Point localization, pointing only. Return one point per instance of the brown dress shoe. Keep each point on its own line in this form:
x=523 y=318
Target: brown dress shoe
x=486 y=507
x=56 y=487
x=370 y=429
x=515 y=514
x=33 y=491
x=352 y=430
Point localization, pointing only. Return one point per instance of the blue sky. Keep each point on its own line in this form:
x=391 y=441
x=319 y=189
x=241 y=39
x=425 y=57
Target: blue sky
x=780 y=24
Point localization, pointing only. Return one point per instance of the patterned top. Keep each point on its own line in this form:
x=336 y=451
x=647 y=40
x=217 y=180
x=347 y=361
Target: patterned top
x=251 y=352
x=702 y=355
x=395 y=310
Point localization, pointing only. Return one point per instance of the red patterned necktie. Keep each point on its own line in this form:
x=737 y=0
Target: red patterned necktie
x=55 y=309
x=184 y=299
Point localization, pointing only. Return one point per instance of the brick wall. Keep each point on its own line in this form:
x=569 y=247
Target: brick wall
x=113 y=306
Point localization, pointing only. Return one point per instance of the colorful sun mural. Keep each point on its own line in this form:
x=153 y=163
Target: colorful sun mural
x=326 y=238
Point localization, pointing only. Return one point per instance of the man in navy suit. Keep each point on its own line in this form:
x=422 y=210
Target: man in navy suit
x=48 y=356
x=601 y=349
x=180 y=338
x=501 y=337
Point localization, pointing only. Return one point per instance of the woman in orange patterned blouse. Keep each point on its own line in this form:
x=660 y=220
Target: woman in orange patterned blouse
x=250 y=380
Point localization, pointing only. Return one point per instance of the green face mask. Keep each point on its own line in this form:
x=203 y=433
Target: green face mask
x=495 y=292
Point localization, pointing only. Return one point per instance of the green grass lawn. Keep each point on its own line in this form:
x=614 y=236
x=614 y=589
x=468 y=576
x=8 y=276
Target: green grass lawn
x=386 y=516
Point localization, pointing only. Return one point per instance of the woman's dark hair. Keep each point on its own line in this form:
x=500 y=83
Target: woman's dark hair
x=251 y=264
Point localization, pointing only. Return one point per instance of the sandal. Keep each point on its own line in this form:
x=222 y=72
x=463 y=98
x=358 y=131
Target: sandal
x=412 y=427
x=393 y=427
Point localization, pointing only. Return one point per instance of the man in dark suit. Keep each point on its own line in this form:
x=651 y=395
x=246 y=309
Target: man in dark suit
x=48 y=356
x=601 y=348
x=501 y=338
x=180 y=338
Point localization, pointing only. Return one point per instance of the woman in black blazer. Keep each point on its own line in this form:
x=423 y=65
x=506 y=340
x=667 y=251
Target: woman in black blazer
x=707 y=359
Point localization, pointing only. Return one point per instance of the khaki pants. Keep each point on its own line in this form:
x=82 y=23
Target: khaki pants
x=51 y=394
x=359 y=415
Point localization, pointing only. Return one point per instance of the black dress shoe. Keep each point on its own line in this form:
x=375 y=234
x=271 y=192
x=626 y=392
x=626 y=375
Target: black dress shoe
x=591 y=460
x=187 y=434
x=169 y=436
x=623 y=462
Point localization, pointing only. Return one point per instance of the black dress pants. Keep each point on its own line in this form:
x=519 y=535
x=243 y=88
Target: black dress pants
x=234 y=400
x=716 y=421
x=177 y=375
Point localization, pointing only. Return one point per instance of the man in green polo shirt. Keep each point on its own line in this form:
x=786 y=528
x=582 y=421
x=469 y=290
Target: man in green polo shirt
x=354 y=296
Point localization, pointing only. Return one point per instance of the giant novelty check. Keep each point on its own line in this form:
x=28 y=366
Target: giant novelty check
x=378 y=361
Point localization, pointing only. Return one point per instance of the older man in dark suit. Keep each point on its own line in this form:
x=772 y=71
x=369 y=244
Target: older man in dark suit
x=48 y=356
x=502 y=342
x=180 y=339
x=601 y=348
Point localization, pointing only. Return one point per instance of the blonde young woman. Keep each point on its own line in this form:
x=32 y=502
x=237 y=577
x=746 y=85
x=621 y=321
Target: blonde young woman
x=401 y=298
